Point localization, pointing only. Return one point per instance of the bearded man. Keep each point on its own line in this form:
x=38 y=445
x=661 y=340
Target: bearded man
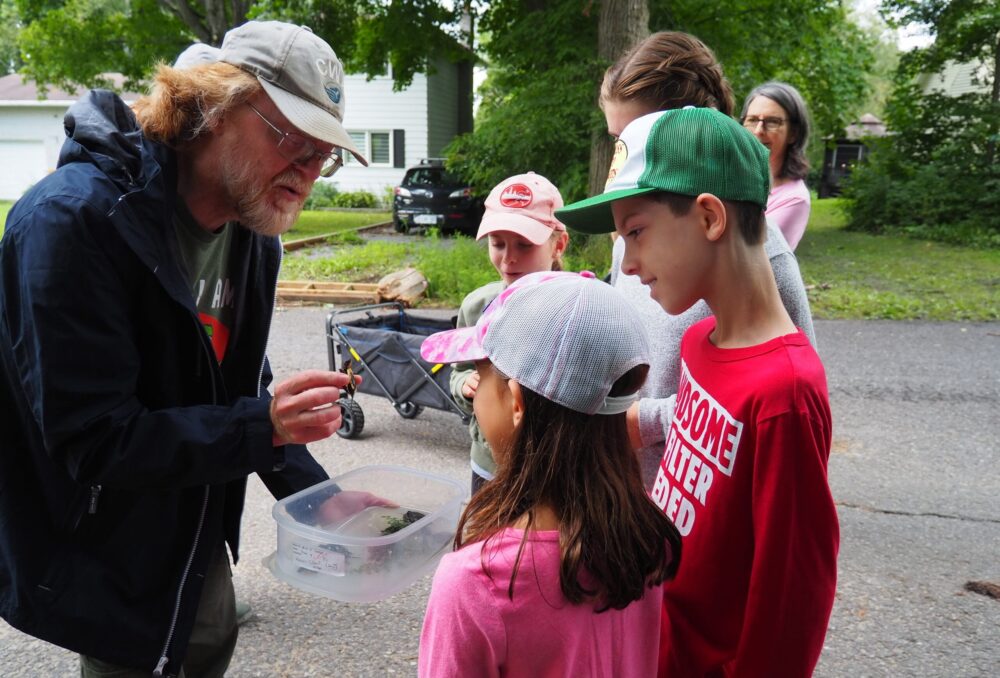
x=137 y=284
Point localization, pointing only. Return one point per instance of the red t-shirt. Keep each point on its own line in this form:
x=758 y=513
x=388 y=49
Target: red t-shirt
x=744 y=479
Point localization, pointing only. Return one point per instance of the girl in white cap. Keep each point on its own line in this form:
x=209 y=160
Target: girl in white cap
x=560 y=559
x=524 y=237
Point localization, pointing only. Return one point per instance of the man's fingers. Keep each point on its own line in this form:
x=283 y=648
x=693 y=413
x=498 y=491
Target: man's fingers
x=313 y=379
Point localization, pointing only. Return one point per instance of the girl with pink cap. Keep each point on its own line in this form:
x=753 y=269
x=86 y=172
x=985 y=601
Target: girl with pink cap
x=523 y=237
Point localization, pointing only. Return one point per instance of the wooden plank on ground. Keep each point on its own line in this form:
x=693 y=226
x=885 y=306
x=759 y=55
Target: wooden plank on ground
x=328 y=292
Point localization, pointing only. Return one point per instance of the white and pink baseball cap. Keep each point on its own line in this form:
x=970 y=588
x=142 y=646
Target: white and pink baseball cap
x=566 y=336
x=524 y=204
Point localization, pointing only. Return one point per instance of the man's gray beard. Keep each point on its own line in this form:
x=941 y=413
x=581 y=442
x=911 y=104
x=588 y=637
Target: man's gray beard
x=255 y=213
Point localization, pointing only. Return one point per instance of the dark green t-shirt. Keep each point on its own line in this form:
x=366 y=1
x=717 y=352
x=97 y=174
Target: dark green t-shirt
x=205 y=260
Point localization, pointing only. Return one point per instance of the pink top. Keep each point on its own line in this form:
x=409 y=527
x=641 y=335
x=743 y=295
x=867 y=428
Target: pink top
x=788 y=209
x=472 y=628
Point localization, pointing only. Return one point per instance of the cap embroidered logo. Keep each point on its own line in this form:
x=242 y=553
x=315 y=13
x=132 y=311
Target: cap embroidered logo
x=333 y=93
x=617 y=161
x=516 y=196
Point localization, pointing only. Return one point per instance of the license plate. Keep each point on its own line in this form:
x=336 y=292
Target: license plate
x=425 y=219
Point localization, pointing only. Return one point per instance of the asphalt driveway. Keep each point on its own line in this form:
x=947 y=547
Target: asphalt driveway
x=914 y=471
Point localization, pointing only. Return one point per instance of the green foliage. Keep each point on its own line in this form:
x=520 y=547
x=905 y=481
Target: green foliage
x=453 y=268
x=362 y=263
x=70 y=44
x=322 y=195
x=355 y=199
x=10 y=26
x=539 y=103
x=4 y=209
x=937 y=177
x=854 y=275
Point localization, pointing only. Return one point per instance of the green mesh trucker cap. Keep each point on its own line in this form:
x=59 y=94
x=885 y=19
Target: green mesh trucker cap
x=689 y=151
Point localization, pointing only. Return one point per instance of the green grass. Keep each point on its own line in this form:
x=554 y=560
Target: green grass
x=313 y=223
x=858 y=275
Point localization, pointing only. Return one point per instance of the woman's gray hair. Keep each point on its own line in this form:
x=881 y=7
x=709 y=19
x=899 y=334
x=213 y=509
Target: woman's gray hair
x=795 y=164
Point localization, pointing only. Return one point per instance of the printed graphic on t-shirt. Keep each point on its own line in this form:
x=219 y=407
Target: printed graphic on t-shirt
x=703 y=441
x=215 y=311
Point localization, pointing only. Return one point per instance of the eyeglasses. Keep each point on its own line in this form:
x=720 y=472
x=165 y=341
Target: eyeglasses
x=770 y=124
x=296 y=148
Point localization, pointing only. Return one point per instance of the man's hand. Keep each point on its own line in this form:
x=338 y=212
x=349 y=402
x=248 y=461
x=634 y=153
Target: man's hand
x=347 y=503
x=470 y=385
x=304 y=408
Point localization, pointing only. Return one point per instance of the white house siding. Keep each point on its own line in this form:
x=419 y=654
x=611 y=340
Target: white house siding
x=442 y=107
x=373 y=106
x=955 y=79
x=31 y=135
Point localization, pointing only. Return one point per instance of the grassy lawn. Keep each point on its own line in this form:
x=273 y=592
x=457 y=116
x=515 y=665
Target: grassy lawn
x=857 y=275
x=313 y=223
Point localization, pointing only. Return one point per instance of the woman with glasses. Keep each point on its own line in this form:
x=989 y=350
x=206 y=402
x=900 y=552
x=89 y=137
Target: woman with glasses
x=777 y=116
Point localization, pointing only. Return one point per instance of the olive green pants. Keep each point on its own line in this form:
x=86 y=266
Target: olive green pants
x=213 y=638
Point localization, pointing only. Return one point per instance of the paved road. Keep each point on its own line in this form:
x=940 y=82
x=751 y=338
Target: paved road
x=914 y=470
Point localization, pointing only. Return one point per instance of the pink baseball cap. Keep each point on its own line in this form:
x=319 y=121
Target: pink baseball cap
x=524 y=204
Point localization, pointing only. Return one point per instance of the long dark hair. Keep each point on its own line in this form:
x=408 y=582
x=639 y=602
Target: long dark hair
x=583 y=467
x=795 y=165
x=669 y=70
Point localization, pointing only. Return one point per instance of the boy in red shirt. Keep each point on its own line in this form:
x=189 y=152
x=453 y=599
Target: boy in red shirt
x=744 y=472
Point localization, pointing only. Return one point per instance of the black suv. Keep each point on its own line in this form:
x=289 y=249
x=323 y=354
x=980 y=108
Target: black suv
x=430 y=196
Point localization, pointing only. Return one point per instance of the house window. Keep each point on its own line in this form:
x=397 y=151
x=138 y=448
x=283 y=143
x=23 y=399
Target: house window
x=376 y=146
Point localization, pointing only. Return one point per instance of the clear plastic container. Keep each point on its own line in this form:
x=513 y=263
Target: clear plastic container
x=375 y=552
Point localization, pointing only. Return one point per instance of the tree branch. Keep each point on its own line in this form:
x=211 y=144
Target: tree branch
x=182 y=10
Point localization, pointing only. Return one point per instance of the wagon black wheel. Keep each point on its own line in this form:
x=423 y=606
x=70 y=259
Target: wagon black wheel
x=408 y=410
x=352 y=420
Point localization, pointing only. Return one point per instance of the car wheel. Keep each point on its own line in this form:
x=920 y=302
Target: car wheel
x=352 y=418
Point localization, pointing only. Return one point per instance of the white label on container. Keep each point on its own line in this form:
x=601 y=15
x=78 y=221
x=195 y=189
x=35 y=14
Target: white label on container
x=318 y=559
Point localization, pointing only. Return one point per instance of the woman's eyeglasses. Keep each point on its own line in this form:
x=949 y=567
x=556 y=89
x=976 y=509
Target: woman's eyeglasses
x=770 y=124
x=296 y=148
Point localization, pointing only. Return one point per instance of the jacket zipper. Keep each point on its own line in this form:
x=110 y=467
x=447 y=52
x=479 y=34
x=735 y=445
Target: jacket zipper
x=160 y=665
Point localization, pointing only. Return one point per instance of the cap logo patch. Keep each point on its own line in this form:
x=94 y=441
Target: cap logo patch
x=334 y=93
x=617 y=161
x=516 y=196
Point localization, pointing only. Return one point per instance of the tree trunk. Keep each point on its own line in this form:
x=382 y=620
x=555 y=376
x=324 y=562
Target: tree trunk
x=622 y=24
x=991 y=146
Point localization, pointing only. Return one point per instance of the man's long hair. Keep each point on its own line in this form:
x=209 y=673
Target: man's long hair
x=185 y=103
x=583 y=467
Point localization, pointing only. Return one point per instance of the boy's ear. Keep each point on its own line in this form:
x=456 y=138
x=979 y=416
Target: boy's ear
x=712 y=213
x=516 y=402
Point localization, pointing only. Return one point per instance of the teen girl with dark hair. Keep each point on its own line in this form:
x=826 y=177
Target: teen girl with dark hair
x=671 y=70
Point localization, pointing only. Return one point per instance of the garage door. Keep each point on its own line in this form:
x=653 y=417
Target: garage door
x=22 y=163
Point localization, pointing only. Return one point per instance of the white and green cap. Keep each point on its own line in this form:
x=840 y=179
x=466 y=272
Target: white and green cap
x=688 y=151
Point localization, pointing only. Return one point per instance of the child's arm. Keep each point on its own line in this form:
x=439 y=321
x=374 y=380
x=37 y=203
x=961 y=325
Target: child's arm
x=463 y=634
x=796 y=534
x=460 y=372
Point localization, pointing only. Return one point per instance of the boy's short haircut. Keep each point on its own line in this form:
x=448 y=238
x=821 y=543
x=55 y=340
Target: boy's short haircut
x=689 y=152
x=748 y=216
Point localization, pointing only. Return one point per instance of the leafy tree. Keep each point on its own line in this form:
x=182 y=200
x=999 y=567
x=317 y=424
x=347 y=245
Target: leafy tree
x=539 y=110
x=10 y=26
x=937 y=176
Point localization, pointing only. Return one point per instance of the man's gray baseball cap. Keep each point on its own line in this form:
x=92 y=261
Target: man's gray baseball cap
x=299 y=71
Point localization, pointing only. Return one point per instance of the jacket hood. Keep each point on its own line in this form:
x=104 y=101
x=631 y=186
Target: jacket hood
x=103 y=130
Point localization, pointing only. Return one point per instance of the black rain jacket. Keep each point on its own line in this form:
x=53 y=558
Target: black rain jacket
x=124 y=445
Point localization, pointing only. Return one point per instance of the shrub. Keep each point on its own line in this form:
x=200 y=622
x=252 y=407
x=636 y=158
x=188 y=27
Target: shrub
x=355 y=199
x=323 y=195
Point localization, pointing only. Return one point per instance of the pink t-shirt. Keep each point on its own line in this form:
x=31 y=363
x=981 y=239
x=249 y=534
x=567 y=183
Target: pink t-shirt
x=472 y=628
x=788 y=209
